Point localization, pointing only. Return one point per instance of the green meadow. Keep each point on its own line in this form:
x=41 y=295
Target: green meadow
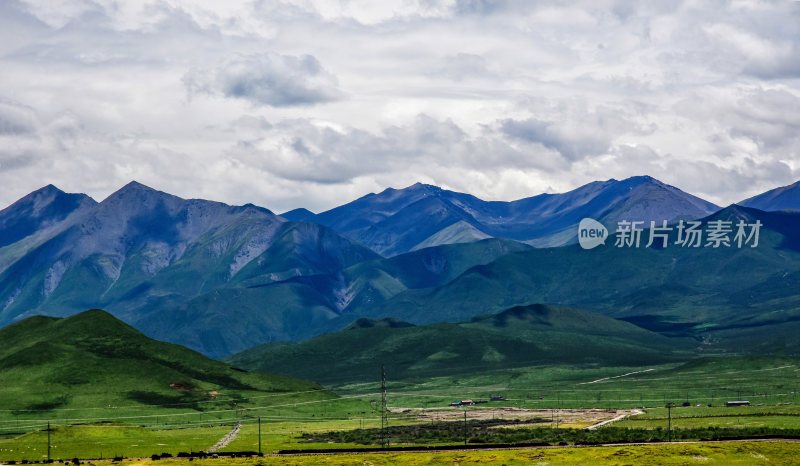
x=294 y=419
x=738 y=453
x=108 y=391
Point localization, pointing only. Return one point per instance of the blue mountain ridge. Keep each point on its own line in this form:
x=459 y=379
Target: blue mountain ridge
x=398 y=220
x=782 y=198
x=222 y=278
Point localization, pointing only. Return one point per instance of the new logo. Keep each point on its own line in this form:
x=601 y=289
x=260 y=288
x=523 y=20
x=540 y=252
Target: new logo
x=591 y=233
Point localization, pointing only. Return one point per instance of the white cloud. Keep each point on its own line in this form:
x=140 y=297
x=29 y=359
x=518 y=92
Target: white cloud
x=312 y=103
x=267 y=79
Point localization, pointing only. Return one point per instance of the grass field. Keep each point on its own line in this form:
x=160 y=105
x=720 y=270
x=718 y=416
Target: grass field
x=108 y=440
x=761 y=380
x=783 y=417
x=769 y=383
x=734 y=453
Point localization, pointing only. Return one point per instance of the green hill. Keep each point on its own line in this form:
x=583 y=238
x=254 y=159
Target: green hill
x=521 y=336
x=90 y=364
x=302 y=307
x=708 y=292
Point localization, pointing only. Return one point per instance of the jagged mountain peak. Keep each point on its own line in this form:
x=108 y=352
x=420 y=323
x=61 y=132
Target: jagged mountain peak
x=399 y=220
x=46 y=208
x=49 y=189
x=136 y=190
x=43 y=195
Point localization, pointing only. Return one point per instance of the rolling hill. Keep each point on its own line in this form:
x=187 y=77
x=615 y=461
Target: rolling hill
x=521 y=336
x=92 y=360
x=396 y=221
x=673 y=289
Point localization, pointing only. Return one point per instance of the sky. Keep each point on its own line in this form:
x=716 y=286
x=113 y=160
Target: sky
x=312 y=103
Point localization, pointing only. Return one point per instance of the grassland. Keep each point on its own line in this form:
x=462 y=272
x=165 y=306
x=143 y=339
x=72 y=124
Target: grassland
x=762 y=380
x=107 y=390
x=108 y=440
x=288 y=419
x=738 y=453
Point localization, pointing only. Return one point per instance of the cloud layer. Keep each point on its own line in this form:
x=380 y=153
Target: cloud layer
x=313 y=103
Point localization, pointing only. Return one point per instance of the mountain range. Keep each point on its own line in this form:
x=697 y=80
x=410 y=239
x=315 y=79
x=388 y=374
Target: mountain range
x=141 y=251
x=398 y=221
x=220 y=279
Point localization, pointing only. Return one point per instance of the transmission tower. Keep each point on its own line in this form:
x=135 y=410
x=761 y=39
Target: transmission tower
x=384 y=410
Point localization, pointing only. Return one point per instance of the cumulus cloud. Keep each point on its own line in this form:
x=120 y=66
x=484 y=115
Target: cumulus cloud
x=303 y=150
x=575 y=132
x=311 y=103
x=267 y=79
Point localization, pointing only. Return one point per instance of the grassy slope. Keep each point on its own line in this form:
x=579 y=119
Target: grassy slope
x=518 y=337
x=374 y=282
x=699 y=289
x=93 y=365
x=303 y=306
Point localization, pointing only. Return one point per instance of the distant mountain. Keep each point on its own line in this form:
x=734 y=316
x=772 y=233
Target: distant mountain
x=43 y=209
x=397 y=221
x=304 y=306
x=673 y=290
x=141 y=251
x=299 y=215
x=783 y=198
x=36 y=218
x=517 y=337
x=94 y=360
x=220 y=279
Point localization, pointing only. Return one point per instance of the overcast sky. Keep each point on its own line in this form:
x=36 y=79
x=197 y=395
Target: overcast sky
x=316 y=102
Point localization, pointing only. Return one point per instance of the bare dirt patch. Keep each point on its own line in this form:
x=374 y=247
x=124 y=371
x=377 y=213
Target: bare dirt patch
x=575 y=417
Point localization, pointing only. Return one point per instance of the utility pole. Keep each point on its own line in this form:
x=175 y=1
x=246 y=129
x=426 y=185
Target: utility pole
x=48 y=441
x=669 y=421
x=259 y=436
x=558 y=412
x=384 y=412
x=465 y=427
